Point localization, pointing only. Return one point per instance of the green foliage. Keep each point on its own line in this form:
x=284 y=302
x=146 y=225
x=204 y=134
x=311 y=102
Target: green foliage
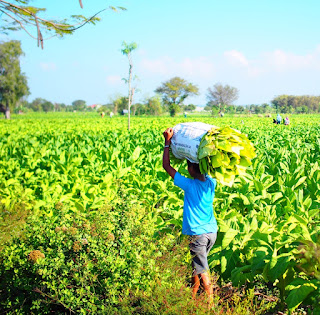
x=224 y=153
x=80 y=161
x=120 y=103
x=47 y=106
x=79 y=105
x=153 y=105
x=128 y=48
x=36 y=104
x=297 y=104
x=19 y=15
x=190 y=107
x=75 y=261
x=13 y=83
x=175 y=91
x=174 y=109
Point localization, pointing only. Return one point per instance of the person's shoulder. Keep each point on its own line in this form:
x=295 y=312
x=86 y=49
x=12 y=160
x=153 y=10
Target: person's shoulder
x=211 y=179
x=181 y=181
x=179 y=176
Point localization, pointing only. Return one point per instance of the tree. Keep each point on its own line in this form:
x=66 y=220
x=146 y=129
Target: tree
x=231 y=109
x=222 y=95
x=240 y=109
x=106 y=108
x=18 y=15
x=36 y=104
x=175 y=91
x=47 y=106
x=190 y=107
x=127 y=50
x=153 y=105
x=13 y=83
x=119 y=104
x=299 y=104
x=139 y=109
x=79 y=105
x=59 y=107
x=215 y=109
x=280 y=103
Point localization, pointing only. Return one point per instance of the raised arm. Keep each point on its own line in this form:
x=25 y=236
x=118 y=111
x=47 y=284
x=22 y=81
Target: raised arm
x=168 y=133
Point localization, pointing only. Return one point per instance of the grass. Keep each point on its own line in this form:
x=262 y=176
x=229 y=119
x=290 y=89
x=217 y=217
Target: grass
x=176 y=298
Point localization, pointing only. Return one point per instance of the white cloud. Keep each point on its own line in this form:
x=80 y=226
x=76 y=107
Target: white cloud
x=271 y=62
x=195 y=67
x=236 y=57
x=280 y=60
x=48 y=66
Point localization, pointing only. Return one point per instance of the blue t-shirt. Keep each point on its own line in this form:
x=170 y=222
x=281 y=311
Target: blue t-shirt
x=198 y=217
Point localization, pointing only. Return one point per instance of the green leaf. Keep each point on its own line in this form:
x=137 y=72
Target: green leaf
x=278 y=265
x=240 y=277
x=299 y=289
x=299 y=182
x=276 y=196
x=228 y=237
x=136 y=153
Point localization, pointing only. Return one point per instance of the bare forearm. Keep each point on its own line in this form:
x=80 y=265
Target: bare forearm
x=166 y=160
x=166 y=154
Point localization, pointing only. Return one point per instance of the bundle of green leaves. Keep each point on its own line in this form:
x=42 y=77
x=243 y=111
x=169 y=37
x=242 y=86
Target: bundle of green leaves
x=224 y=153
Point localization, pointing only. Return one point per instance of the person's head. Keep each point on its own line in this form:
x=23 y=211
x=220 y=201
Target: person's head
x=193 y=169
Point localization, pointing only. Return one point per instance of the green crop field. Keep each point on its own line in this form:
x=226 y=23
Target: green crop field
x=90 y=221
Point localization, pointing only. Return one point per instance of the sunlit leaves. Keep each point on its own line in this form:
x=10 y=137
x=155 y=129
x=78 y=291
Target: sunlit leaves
x=224 y=153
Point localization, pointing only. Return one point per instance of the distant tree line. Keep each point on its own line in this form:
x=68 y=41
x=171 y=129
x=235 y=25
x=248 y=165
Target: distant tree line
x=150 y=106
x=155 y=106
x=171 y=96
x=297 y=104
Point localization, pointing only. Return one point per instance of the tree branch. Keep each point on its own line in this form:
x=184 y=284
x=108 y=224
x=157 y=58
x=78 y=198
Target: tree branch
x=19 y=22
x=41 y=23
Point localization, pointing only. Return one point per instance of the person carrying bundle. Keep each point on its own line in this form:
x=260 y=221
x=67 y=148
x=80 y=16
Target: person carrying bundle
x=199 y=222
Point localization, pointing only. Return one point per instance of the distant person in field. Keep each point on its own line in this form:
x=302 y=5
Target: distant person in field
x=185 y=114
x=279 y=119
x=199 y=221
x=111 y=114
x=287 y=121
x=102 y=114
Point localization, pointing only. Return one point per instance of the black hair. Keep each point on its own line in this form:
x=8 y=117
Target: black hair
x=195 y=166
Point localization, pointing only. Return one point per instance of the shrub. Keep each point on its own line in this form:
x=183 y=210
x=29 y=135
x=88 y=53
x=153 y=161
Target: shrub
x=80 y=262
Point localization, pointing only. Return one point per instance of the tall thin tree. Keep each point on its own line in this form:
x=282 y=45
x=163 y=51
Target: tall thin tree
x=127 y=50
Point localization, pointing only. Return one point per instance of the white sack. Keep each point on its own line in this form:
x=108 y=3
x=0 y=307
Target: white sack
x=186 y=140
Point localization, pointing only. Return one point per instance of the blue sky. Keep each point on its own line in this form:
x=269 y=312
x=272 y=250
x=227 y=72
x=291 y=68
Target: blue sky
x=263 y=47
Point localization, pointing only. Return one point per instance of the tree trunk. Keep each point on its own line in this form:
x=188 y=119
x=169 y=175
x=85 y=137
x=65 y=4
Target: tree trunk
x=134 y=107
x=7 y=113
x=5 y=110
x=130 y=93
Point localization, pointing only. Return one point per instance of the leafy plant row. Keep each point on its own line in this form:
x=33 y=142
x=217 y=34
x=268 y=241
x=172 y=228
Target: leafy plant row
x=268 y=219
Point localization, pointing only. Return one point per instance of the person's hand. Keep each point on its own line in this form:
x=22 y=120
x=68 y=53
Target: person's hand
x=168 y=133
